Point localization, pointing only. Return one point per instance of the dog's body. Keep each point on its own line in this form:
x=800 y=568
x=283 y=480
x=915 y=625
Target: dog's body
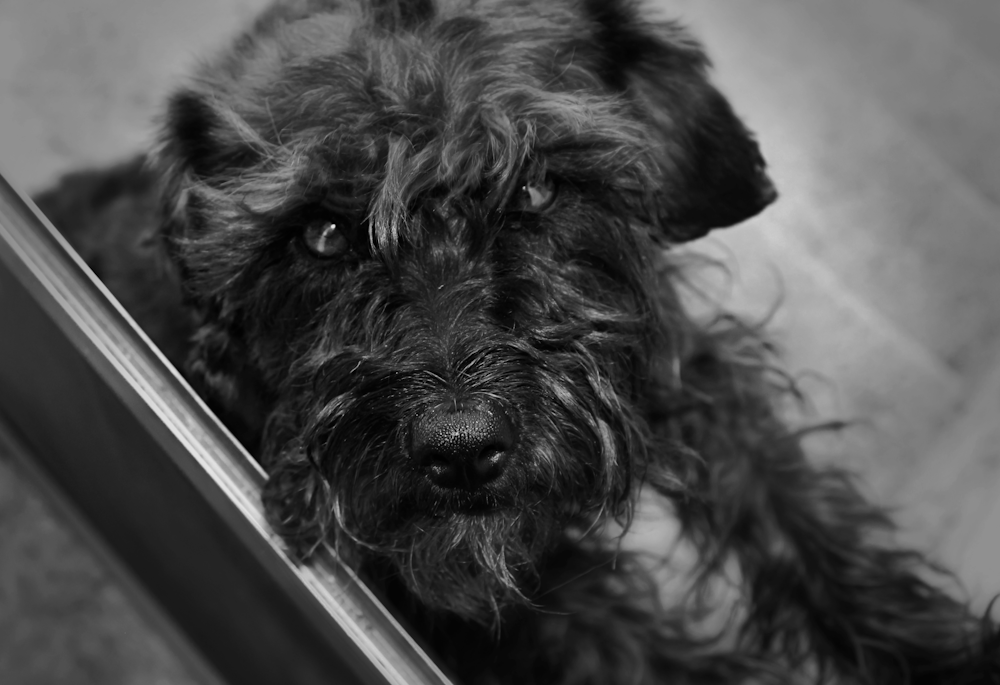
x=415 y=255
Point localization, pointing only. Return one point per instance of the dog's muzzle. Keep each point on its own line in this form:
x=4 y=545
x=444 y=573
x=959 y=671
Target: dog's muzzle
x=463 y=448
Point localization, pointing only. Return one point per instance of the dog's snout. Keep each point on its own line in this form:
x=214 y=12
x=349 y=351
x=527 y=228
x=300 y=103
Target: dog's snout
x=463 y=449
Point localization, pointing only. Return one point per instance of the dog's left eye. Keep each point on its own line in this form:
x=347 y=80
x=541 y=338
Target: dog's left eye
x=534 y=196
x=325 y=238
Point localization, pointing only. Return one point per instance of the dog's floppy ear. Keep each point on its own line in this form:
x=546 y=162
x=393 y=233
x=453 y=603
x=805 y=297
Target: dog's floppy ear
x=201 y=141
x=713 y=174
x=202 y=145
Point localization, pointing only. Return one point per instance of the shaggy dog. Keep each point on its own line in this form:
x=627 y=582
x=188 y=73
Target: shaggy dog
x=417 y=256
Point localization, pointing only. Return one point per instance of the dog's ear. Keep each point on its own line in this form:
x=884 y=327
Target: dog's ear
x=713 y=174
x=201 y=143
x=201 y=138
x=202 y=146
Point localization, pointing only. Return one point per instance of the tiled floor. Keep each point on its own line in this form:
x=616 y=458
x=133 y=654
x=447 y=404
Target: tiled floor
x=878 y=117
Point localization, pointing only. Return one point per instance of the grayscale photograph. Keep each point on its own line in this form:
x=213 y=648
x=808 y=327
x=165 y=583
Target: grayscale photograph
x=499 y=342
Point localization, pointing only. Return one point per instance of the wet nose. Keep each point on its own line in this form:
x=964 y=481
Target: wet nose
x=463 y=449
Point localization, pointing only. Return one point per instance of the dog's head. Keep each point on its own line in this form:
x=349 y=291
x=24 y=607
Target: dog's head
x=421 y=236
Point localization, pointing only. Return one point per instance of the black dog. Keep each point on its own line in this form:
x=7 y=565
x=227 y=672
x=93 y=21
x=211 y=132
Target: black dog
x=415 y=253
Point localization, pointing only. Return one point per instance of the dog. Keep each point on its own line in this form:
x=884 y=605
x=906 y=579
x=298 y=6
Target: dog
x=419 y=256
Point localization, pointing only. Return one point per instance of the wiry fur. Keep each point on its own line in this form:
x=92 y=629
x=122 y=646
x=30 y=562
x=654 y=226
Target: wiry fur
x=417 y=126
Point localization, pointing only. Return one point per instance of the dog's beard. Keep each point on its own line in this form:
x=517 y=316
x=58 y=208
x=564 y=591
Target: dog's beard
x=467 y=553
x=471 y=565
x=342 y=472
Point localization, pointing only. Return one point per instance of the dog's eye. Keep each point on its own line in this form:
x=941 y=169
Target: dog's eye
x=325 y=238
x=536 y=195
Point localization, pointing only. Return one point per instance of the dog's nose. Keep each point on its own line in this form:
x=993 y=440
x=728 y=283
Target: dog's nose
x=463 y=449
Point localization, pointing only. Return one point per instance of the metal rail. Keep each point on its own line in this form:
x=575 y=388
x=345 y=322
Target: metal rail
x=118 y=433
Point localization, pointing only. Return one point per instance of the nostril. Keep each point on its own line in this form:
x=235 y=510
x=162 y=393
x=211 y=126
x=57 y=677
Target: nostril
x=442 y=470
x=462 y=449
x=489 y=463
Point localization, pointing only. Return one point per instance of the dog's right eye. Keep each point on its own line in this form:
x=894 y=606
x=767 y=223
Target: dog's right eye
x=325 y=238
x=534 y=196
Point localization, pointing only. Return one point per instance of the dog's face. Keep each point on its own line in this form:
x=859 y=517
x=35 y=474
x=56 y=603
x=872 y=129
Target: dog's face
x=422 y=242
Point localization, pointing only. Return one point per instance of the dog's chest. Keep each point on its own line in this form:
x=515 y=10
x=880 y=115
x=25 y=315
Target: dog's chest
x=713 y=603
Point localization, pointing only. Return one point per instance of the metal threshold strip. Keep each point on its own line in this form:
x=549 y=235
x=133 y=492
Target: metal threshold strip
x=119 y=435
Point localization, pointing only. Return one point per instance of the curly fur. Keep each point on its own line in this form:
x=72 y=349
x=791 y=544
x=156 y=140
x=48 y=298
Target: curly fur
x=417 y=126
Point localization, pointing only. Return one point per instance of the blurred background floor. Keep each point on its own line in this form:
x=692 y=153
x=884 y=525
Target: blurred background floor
x=880 y=121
